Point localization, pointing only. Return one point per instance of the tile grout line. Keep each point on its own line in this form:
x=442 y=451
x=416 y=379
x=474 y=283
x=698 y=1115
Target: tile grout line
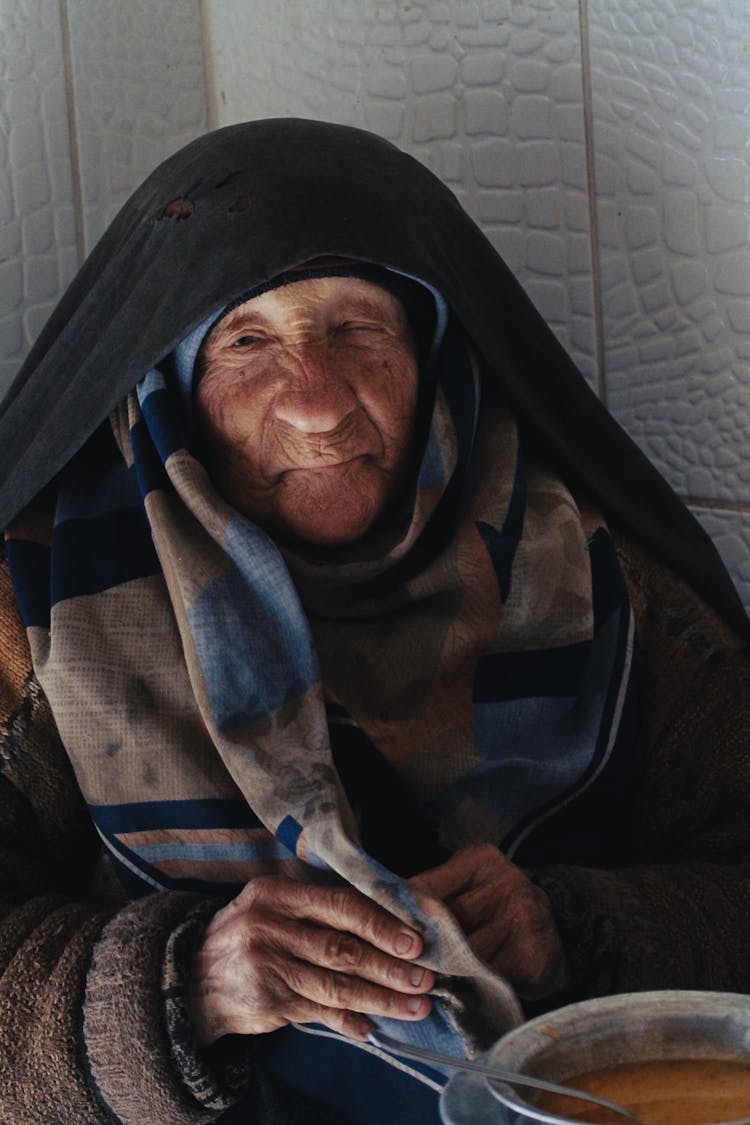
x=209 y=67
x=737 y=507
x=588 y=127
x=75 y=155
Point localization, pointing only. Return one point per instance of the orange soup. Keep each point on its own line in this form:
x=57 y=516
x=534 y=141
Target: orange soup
x=667 y=1092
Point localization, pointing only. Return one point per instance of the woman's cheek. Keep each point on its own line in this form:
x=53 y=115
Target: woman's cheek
x=228 y=408
x=390 y=384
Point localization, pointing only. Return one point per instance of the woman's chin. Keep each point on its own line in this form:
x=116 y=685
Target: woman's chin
x=329 y=529
x=334 y=518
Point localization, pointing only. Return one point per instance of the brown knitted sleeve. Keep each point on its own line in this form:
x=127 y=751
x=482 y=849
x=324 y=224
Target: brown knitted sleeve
x=678 y=916
x=85 y=981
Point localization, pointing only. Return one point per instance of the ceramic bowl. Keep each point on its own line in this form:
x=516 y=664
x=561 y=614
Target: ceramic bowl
x=596 y=1033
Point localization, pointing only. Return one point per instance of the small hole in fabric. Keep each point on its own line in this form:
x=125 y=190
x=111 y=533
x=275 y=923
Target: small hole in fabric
x=180 y=207
x=242 y=202
x=232 y=178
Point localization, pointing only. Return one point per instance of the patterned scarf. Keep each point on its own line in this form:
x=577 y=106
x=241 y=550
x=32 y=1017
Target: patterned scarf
x=480 y=644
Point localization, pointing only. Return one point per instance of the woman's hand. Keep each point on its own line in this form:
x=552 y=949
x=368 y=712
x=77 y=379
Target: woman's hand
x=507 y=920
x=285 y=951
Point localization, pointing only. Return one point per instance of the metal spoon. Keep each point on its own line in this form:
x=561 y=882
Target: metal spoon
x=495 y=1074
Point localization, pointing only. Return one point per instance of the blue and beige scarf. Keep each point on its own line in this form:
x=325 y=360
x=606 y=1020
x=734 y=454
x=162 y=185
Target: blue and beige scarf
x=479 y=645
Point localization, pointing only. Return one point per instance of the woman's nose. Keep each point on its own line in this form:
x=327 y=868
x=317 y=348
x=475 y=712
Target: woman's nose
x=317 y=398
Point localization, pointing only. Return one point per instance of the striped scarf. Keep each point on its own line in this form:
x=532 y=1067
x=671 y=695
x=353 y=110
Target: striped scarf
x=478 y=646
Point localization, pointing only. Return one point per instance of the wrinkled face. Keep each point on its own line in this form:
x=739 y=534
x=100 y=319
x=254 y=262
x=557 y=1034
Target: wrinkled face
x=306 y=397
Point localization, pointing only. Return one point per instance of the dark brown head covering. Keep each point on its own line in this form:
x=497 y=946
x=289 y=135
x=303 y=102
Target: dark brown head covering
x=243 y=204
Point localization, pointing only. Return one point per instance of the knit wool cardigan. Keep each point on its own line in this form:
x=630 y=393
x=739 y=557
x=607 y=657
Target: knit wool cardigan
x=92 y=987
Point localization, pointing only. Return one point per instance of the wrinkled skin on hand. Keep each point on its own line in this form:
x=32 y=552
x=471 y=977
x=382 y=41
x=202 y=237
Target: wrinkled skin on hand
x=507 y=920
x=286 y=951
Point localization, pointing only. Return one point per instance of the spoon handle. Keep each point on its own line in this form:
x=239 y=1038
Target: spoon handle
x=423 y=1054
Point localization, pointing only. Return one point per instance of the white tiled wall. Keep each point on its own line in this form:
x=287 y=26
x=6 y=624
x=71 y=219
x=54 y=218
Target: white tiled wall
x=38 y=252
x=603 y=145
x=671 y=93
x=138 y=94
x=94 y=94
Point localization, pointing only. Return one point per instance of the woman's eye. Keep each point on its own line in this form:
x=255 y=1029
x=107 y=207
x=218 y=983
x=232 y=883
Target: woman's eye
x=355 y=327
x=246 y=341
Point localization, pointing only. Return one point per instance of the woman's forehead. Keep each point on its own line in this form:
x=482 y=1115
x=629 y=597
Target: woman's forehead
x=318 y=295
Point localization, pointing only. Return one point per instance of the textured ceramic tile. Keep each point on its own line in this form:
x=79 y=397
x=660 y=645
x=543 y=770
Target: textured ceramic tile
x=489 y=95
x=37 y=229
x=671 y=89
x=139 y=94
x=730 y=532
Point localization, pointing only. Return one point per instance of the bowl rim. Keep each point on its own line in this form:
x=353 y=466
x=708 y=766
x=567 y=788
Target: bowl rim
x=517 y=1047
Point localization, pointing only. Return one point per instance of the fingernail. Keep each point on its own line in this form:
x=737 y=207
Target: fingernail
x=416 y=976
x=404 y=942
x=414 y=1004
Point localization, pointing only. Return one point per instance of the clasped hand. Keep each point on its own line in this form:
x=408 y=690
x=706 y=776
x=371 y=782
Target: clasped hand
x=284 y=951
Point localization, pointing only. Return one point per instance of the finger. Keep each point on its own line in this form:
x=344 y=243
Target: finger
x=501 y=891
x=500 y=913
x=493 y=945
x=535 y=971
x=477 y=908
x=458 y=873
x=530 y=957
x=341 y=908
x=483 y=905
x=442 y=882
x=354 y=1025
x=351 y=1024
x=341 y=951
x=282 y=1006
x=339 y=990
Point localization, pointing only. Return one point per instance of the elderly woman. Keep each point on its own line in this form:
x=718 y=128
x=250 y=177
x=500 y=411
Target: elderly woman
x=357 y=670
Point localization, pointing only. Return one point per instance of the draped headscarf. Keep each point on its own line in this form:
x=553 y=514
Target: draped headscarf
x=481 y=642
x=244 y=203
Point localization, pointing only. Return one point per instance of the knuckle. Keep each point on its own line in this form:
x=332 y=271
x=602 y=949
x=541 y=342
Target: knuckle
x=395 y=974
x=484 y=912
x=256 y=890
x=291 y=973
x=480 y=854
x=337 y=990
x=263 y=939
x=520 y=880
x=262 y=994
x=340 y=902
x=539 y=971
x=343 y=949
x=353 y=1025
x=379 y=930
x=532 y=914
x=526 y=909
x=353 y=913
x=404 y=977
x=345 y=1023
x=541 y=902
